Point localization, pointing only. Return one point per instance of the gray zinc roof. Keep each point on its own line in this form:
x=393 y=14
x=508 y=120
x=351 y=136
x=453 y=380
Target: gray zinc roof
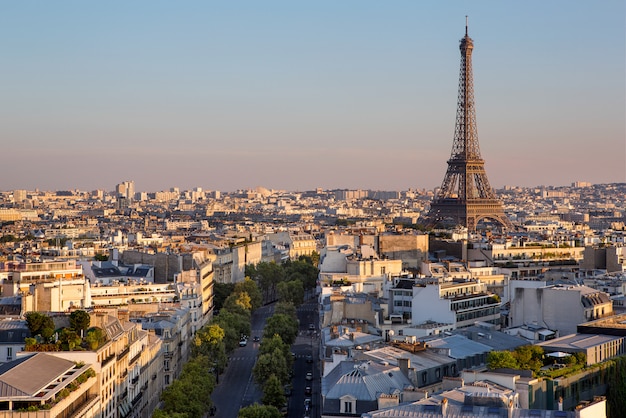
x=29 y=375
x=363 y=380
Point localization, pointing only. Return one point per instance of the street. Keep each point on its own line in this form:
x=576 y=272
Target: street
x=236 y=388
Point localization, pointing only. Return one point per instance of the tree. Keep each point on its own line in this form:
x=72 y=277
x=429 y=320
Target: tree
x=159 y=413
x=302 y=270
x=191 y=392
x=283 y=325
x=271 y=364
x=291 y=291
x=250 y=287
x=275 y=344
x=501 y=360
x=220 y=292
x=273 y=392
x=234 y=325
x=268 y=275
x=209 y=342
x=40 y=324
x=94 y=338
x=313 y=259
x=239 y=303
x=286 y=308
x=79 y=321
x=69 y=339
x=529 y=357
x=259 y=411
x=616 y=389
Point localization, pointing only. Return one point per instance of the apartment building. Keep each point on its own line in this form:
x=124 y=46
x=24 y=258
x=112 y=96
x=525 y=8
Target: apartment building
x=126 y=365
x=460 y=302
x=556 y=307
x=173 y=327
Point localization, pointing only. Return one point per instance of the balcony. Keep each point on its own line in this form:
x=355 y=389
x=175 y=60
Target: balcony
x=137 y=399
x=134 y=359
x=123 y=353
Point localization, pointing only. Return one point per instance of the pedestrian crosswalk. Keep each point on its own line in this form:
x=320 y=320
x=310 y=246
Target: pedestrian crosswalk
x=242 y=358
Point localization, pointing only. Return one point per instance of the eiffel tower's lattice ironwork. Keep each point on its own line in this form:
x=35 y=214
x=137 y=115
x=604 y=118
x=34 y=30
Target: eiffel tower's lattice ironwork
x=466 y=197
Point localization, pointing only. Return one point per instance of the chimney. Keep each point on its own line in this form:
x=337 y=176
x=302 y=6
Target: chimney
x=444 y=407
x=404 y=364
x=560 y=403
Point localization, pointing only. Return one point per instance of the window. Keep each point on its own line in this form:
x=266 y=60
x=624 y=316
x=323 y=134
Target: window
x=424 y=377
x=9 y=353
x=347 y=407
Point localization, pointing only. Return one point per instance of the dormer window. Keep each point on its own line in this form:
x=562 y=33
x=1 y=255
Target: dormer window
x=347 y=404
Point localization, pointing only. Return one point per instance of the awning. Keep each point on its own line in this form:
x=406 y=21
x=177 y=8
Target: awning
x=559 y=354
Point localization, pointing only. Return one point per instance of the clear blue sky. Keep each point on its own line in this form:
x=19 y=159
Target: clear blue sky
x=297 y=95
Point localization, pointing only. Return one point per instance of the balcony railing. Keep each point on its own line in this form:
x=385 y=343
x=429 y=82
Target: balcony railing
x=123 y=353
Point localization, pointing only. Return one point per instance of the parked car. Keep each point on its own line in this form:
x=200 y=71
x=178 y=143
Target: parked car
x=309 y=376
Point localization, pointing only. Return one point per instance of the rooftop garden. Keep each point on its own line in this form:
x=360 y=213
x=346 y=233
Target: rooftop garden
x=79 y=336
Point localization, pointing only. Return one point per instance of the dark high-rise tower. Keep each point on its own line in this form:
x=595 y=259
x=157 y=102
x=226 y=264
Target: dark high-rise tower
x=466 y=197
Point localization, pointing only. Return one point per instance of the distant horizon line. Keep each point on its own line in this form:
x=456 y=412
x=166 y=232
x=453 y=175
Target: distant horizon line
x=203 y=189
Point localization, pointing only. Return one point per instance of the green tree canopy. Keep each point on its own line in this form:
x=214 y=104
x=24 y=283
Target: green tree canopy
x=302 y=270
x=501 y=360
x=291 y=291
x=69 y=339
x=159 y=413
x=234 y=325
x=239 y=303
x=79 y=321
x=259 y=411
x=274 y=392
x=286 y=308
x=267 y=275
x=275 y=344
x=313 y=259
x=40 y=324
x=95 y=336
x=191 y=392
x=283 y=325
x=529 y=357
x=250 y=287
x=220 y=292
x=271 y=364
x=209 y=342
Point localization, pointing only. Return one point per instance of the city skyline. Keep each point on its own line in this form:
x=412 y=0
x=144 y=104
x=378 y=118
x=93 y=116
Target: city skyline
x=350 y=95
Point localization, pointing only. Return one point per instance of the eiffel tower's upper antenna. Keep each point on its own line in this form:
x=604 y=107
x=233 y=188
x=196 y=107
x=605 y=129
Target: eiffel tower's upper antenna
x=465 y=25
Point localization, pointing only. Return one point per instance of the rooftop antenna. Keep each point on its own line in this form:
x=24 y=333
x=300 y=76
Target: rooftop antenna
x=465 y=25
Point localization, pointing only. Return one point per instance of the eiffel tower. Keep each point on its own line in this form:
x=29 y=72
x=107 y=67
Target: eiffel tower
x=466 y=197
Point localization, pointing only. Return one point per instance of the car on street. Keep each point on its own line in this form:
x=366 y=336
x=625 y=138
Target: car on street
x=309 y=358
x=256 y=339
x=243 y=342
x=308 y=391
x=311 y=327
x=309 y=376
